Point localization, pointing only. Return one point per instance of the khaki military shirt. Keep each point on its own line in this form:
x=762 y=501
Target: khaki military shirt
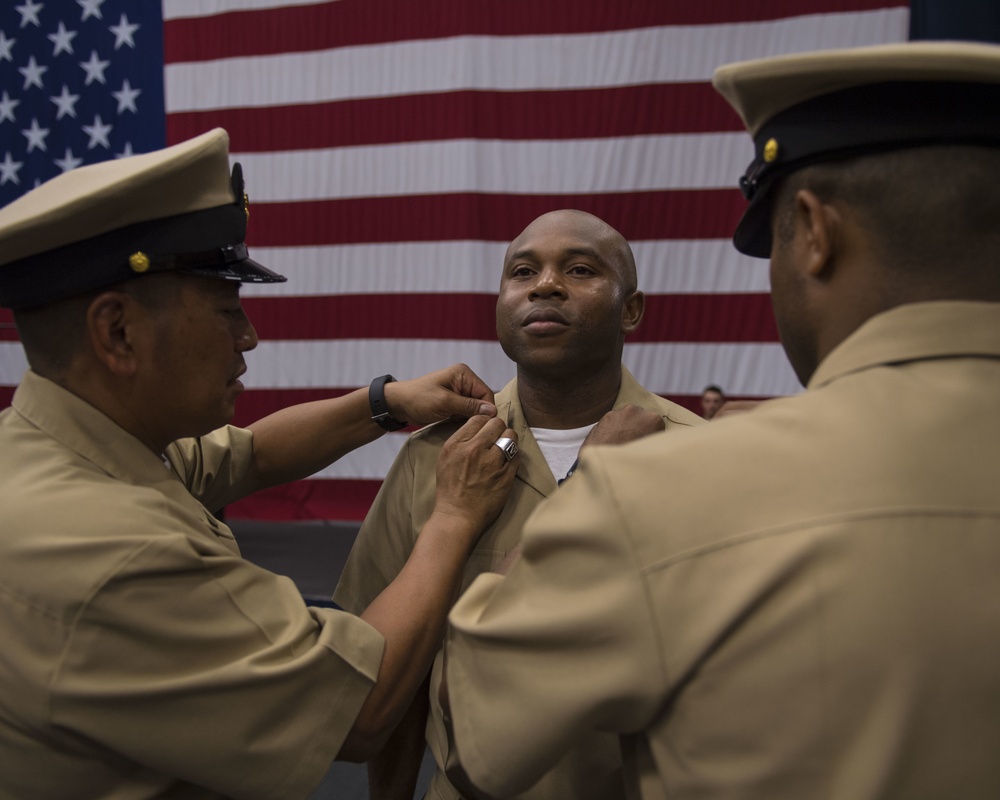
x=797 y=602
x=593 y=768
x=141 y=656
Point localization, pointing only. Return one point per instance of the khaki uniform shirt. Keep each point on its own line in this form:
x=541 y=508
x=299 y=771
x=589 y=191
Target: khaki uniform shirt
x=593 y=768
x=797 y=602
x=141 y=656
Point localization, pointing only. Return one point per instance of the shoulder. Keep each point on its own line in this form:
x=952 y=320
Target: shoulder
x=675 y=415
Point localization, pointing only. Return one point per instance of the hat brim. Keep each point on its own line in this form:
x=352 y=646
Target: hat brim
x=752 y=236
x=245 y=271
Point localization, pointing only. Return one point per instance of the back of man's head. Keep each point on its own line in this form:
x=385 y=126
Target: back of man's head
x=903 y=133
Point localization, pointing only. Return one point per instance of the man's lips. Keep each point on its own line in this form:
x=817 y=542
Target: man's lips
x=544 y=320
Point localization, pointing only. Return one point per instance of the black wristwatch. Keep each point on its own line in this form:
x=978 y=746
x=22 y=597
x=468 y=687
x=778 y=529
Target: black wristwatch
x=380 y=411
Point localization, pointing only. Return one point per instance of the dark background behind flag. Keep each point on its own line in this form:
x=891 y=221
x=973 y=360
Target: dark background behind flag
x=392 y=150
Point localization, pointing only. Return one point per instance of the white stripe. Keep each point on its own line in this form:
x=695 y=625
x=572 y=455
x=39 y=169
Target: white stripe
x=755 y=370
x=701 y=266
x=634 y=163
x=370 y=462
x=512 y=63
x=179 y=9
x=13 y=363
x=354 y=362
x=663 y=367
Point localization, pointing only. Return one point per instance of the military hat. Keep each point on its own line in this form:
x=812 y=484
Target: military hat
x=805 y=108
x=178 y=208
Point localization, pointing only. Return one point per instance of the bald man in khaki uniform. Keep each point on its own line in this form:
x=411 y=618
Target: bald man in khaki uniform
x=821 y=618
x=142 y=657
x=567 y=299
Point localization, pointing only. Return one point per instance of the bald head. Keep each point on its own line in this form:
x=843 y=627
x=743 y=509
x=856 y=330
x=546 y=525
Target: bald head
x=608 y=244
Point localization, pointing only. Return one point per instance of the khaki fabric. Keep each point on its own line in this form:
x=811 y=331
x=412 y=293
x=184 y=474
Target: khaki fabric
x=405 y=501
x=796 y=602
x=142 y=656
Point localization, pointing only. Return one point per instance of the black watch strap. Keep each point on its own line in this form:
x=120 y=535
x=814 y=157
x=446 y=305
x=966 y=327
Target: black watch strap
x=380 y=411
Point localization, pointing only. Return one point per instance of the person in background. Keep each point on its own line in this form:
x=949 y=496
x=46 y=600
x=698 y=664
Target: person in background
x=568 y=298
x=799 y=601
x=712 y=398
x=142 y=656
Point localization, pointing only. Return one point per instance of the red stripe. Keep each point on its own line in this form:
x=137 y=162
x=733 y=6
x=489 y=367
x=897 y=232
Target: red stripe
x=677 y=214
x=576 y=114
x=712 y=318
x=669 y=318
x=312 y=499
x=8 y=333
x=359 y=22
x=6 y=395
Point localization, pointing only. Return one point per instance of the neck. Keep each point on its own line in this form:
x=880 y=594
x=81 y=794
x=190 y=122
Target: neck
x=562 y=404
x=114 y=401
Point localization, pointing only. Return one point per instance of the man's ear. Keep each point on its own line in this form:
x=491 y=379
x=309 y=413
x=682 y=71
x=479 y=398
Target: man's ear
x=635 y=305
x=110 y=328
x=821 y=225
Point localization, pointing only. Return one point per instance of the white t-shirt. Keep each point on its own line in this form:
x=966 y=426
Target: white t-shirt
x=560 y=447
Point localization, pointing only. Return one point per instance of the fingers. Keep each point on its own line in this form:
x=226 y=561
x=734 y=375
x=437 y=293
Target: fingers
x=452 y=393
x=470 y=384
x=481 y=429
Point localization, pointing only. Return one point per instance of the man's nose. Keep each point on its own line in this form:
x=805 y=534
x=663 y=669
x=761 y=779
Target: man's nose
x=549 y=282
x=246 y=339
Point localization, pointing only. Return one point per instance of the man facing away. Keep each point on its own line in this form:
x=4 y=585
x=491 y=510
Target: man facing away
x=142 y=657
x=568 y=297
x=819 y=617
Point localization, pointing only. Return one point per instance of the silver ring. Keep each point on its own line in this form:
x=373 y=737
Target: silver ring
x=508 y=446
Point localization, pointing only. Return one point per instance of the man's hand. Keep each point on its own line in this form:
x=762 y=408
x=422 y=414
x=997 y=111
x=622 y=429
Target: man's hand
x=624 y=424
x=452 y=393
x=474 y=476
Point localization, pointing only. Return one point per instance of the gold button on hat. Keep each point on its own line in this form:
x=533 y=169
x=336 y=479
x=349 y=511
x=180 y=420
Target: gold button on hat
x=179 y=208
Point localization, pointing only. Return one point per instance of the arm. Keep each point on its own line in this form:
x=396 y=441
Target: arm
x=393 y=772
x=300 y=440
x=515 y=644
x=473 y=481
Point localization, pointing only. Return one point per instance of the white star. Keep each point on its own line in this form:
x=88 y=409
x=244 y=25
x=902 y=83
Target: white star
x=33 y=73
x=126 y=98
x=68 y=161
x=7 y=106
x=126 y=152
x=9 y=169
x=36 y=136
x=123 y=32
x=94 y=68
x=5 y=47
x=62 y=39
x=29 y=13
x=91 y=8
x=66 y=103
x=98 y=133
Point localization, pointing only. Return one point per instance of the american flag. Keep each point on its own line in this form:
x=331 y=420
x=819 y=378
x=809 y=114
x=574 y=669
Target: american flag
x=393 y=148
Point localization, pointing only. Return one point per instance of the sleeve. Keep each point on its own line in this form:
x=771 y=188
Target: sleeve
x=385 y=539
x=213 y=671
x=564 y=644
x=214 y=466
